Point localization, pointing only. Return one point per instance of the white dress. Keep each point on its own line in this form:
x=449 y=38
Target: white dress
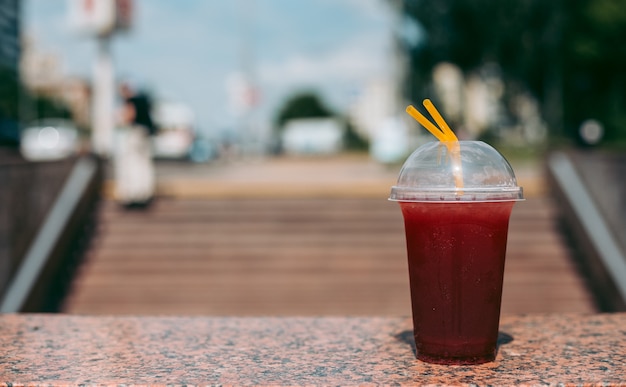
x=133 y=166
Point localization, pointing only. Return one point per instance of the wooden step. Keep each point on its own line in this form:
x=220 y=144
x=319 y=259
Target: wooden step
x=305 y=256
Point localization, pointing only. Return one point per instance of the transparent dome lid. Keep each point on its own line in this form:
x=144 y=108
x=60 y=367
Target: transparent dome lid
x=462 y=171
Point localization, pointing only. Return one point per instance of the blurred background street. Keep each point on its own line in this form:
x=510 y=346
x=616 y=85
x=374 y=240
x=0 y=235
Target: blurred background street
x=299 y=236
x=271 y=132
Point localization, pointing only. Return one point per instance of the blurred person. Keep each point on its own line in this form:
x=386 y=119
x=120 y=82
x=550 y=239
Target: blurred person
x=133 y=166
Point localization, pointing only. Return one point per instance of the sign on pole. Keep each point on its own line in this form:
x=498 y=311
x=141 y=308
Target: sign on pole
x=100 y=17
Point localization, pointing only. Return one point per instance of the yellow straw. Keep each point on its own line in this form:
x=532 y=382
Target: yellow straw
x=455 y=151
x=449 y=134
x=443 y=134
x=413 y=112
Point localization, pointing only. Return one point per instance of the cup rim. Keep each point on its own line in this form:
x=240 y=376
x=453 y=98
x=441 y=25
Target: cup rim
x=482 y=194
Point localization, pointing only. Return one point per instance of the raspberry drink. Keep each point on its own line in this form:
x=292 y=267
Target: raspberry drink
x=456 y=199
x=456 y=257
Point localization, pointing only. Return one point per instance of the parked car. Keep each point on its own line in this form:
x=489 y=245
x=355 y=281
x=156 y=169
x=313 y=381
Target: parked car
x=49 y=139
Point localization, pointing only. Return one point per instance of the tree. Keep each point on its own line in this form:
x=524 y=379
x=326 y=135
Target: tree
x=569 y=55
x=596 y=65
x=9 y=96
x=302 y=105
x=12 y=94
x=9 y=93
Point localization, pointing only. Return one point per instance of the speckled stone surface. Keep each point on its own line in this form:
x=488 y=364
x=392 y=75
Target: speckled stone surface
x=75 y=350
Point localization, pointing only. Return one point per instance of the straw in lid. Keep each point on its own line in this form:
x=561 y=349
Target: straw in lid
x=431 y=173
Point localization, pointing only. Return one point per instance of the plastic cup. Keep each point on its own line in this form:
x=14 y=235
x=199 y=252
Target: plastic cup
x=456 y=208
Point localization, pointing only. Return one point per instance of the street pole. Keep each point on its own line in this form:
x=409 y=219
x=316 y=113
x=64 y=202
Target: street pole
x=103 y=120
x=249 y=128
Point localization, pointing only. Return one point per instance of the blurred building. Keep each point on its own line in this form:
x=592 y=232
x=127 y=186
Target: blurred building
x=313 y=136
x=375 y=104
x=76 y=95
x=42 y=73
x=10 y=34
x=378 y=116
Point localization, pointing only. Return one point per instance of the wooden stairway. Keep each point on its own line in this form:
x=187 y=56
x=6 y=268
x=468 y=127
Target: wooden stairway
x=305 y=257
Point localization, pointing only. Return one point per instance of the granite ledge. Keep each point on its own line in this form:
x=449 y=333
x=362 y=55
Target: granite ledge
x=54 y=350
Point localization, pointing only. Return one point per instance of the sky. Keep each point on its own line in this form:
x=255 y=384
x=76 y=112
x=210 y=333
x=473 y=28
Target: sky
x=195 y=51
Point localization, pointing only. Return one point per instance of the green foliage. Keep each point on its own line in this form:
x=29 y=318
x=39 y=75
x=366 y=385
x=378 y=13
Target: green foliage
x=599 y=27
x=9 y=94
x=521 y=36
x=595 y=55
x=569 y=54
x=12 y=94
x=353 y=141
x=302 y=105
x=50 y=108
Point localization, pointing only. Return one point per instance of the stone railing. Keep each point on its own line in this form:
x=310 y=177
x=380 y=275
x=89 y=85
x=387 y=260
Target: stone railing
x=63 y=350
x=45 y=211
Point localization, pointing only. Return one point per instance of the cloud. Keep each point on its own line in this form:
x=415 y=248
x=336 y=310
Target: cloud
x=372 y=10
x=336 y=74
x=345 y=63
x=187 y=49
x=334 y=49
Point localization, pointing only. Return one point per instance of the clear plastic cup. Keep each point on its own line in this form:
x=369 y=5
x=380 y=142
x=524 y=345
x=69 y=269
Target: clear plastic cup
x=456 y=199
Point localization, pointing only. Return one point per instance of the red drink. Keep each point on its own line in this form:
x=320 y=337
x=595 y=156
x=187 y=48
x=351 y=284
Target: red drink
x=456 y=257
